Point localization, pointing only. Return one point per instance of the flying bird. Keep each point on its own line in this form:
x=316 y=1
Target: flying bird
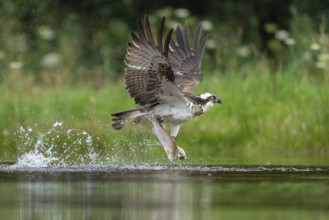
x=161 y=77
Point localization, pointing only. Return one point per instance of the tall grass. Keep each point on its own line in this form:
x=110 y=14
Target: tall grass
x=264 y=119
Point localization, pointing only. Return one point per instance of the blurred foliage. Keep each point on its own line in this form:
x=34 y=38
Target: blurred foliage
x=58 y=42
x=272 y=58
x=265 y=118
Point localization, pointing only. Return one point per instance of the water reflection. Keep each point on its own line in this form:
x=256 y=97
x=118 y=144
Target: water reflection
x=163 y=195
x=102 y=200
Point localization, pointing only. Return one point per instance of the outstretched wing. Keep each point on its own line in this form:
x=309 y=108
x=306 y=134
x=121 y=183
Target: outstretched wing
x=186 y=60
x=148 y=73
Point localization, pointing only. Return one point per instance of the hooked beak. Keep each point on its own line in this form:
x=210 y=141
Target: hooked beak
x=218 y=101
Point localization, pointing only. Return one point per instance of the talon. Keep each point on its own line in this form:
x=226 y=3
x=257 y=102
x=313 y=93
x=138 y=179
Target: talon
x=181 y=154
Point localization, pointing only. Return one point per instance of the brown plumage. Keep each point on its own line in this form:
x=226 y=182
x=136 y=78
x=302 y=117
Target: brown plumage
x=151 y=63
x=161 y=76
x=147 y=64
x=185 y=60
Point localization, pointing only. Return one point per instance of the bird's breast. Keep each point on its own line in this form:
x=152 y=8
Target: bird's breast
x=173 y=113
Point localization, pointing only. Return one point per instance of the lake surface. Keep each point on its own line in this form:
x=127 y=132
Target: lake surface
x=163 y=192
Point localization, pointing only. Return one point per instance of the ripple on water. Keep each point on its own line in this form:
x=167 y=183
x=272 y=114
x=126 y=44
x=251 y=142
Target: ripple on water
x=153 y=168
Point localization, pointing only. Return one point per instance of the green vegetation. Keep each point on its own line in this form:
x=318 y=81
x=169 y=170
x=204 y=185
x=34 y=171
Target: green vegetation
x=275 y=101
x=276 y=119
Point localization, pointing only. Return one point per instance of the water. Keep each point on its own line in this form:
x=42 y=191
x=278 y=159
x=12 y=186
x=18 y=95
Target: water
x=57 y=145
x=43 y=184
x=163 y=192
x=60 y=144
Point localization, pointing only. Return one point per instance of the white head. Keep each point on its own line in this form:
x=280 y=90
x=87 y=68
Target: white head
x=210 y=99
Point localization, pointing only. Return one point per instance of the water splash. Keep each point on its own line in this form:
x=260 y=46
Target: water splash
x=56 y=146
x=34 y=159
x=62 y=145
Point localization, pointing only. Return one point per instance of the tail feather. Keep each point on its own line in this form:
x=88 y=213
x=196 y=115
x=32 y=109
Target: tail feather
x=121 y=118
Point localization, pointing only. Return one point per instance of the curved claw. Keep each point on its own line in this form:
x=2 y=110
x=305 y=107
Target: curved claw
x=181 y=154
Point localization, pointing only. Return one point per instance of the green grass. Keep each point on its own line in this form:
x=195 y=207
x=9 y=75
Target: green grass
x=278 y=119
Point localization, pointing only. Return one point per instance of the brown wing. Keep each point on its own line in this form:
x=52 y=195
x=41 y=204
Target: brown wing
x=147 y=66
x=186 y=61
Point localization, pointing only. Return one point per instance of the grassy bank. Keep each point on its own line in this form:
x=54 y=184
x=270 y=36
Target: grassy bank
x=264 y=119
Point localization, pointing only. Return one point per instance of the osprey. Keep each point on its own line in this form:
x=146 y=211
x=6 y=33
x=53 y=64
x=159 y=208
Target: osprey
x=162 y=77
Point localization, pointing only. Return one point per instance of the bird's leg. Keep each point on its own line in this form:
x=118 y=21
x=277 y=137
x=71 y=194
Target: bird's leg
x=159 y=131
x=159 y=119
x=167 y=142
x=174 y=130
x=173 y=133
x=163 y=125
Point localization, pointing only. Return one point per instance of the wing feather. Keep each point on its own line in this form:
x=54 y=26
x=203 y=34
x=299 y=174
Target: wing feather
x=186 y=37
x=180 y=41
x=202 y=48
x=148 y=31
x=148 y=70
x=159 y=35
x=186 y=61
x=197 y=35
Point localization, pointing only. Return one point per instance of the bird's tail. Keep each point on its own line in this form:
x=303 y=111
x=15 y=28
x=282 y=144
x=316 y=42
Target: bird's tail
x=121 y=118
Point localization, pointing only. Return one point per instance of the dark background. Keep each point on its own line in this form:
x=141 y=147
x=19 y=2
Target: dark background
x=88 y=38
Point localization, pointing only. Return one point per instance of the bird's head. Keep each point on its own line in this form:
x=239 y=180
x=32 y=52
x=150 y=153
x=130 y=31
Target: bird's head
x=210 y=99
